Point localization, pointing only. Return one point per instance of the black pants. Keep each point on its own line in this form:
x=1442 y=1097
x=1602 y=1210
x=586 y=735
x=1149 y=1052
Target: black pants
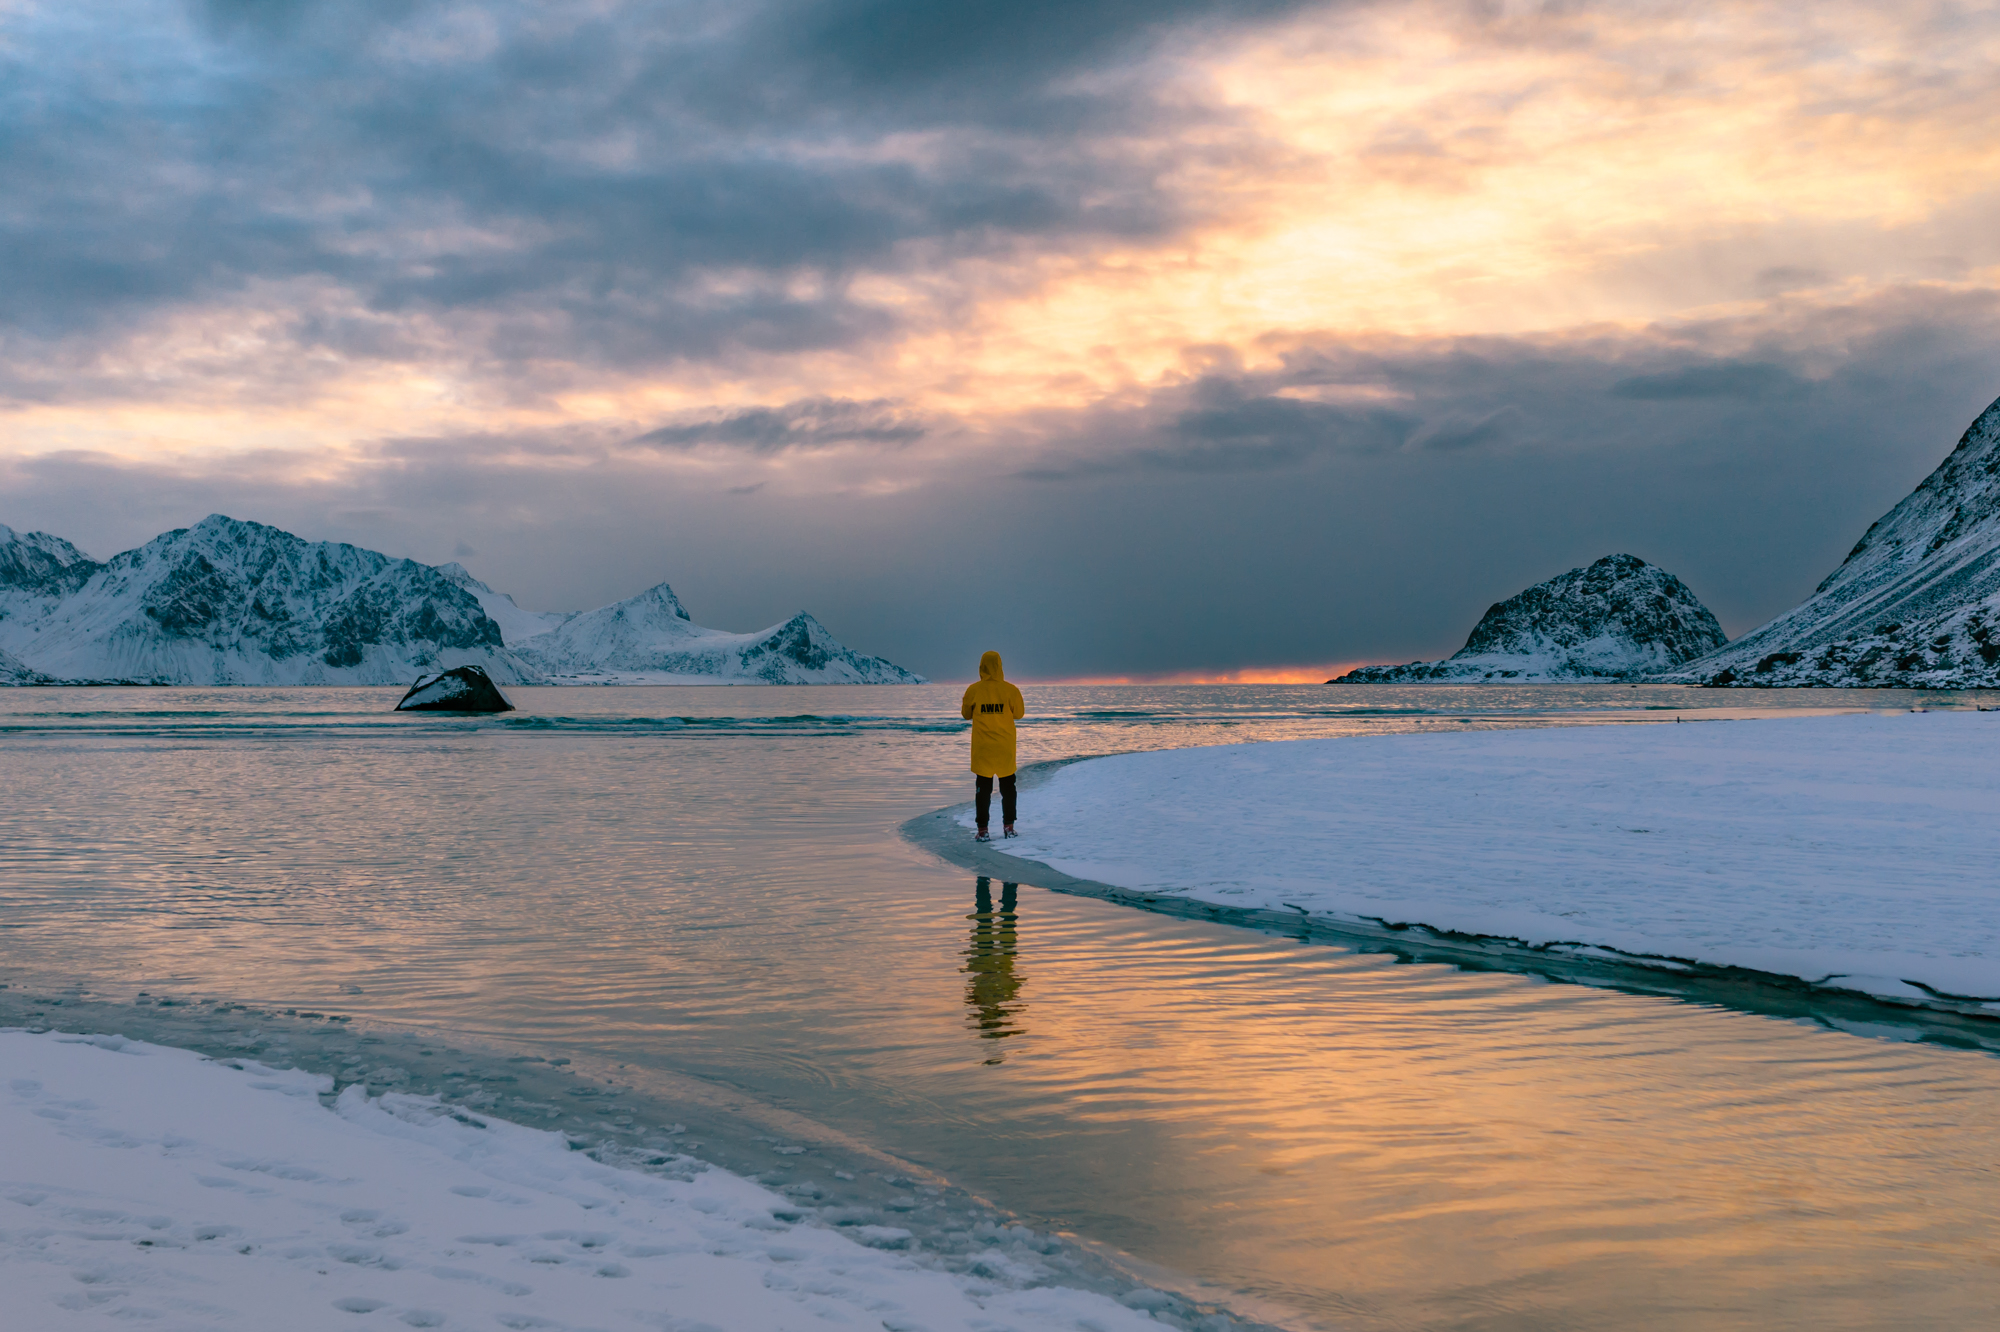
x=982 y=803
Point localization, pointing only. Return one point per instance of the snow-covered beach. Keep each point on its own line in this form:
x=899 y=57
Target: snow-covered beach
x=1856 y=853
x=142 y=1182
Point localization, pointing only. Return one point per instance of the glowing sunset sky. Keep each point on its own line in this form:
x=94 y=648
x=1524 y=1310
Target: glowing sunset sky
x=1133 y=338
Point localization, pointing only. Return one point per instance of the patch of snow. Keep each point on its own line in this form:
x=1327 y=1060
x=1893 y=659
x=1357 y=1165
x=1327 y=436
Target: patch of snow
x=1855 y=851
x=148 y=1185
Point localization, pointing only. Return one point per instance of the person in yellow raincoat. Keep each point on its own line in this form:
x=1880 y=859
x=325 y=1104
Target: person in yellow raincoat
x=992 y=705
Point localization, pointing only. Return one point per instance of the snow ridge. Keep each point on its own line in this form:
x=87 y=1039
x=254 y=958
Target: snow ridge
x=515 y=624
x=1617 y=619
x=1916 y=603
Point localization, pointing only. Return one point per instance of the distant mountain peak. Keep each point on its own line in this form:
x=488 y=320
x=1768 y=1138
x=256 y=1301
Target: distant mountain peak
x=649 y=638
x=232 y=601
x=1617 y=618
x=35 y=563
x=661 y=595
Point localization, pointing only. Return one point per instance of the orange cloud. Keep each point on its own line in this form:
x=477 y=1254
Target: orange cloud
x=1401 y=170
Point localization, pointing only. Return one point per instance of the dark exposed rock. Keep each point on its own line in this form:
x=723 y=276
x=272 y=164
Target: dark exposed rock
x=1617 y=619
x=1916 y=603
x=460 y=689
x=40 y=564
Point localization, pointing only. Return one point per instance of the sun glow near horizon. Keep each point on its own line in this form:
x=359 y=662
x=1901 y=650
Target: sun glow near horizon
x=1391 y=171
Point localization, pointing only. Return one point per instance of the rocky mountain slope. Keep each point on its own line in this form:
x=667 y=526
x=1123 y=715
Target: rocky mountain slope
x=36 y=568
x=1618 y=619
x=1915 y=604
x=233 y=602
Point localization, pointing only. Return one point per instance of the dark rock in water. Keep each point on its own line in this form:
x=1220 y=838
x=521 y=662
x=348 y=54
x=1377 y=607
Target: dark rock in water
x=460 y=689
x=1915 y=605
x=1618 y=619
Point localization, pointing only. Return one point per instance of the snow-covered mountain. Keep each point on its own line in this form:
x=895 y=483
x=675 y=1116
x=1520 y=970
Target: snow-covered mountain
x=1915 y=604
x=650 y=639
x=1618 y=619
x=233 y=602
x=36 y=568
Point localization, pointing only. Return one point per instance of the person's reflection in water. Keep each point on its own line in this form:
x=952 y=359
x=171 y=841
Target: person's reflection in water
x=991 y=986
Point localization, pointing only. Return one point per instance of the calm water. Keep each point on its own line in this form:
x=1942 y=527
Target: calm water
x=709 y=882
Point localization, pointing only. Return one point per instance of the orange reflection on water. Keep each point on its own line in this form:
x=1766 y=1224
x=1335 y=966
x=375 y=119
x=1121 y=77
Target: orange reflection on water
x=1417 y=1146
x=992 y=986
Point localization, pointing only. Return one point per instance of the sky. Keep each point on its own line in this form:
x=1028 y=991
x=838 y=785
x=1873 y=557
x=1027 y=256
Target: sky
x=1161 y=340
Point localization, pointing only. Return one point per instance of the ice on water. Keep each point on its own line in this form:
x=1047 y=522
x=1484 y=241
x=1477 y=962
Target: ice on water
x=1855 y=852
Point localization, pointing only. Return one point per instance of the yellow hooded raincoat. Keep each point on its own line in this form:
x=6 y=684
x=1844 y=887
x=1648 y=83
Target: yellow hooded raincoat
x=991 y=705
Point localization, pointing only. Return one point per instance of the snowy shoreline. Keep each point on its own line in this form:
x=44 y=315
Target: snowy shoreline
x=145 y=1181
x=1846 y=854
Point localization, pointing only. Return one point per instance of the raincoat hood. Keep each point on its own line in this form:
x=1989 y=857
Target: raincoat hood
x=989 y=667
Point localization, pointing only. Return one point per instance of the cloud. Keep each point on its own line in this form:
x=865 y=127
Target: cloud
x=1725 y=379
x=817 y=423
x=1326 y=396
x=984 y=61
x=1218 y=424
x=1300 y=508
x=612 y=184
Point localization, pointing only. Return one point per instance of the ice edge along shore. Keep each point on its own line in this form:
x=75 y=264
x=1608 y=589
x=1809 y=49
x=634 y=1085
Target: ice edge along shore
x=1837 y=857
x=142 y=1181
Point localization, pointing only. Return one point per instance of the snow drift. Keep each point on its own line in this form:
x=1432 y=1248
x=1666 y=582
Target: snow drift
x=150 y=1187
